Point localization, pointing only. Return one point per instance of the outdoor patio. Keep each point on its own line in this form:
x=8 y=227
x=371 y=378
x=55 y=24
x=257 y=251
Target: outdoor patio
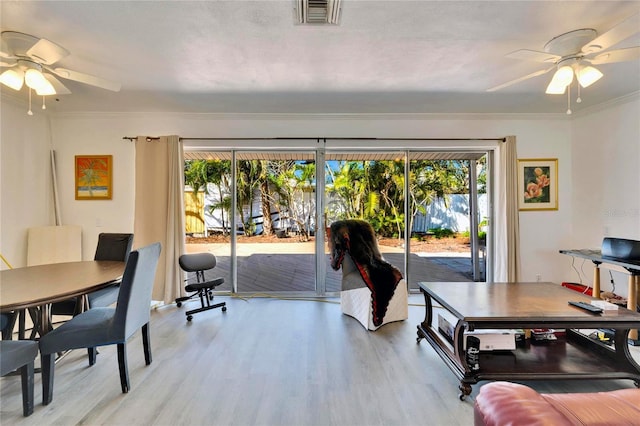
x=283 y=267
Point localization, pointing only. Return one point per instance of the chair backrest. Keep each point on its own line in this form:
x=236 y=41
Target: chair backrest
x=194 y=262
x=54 y=244
x=134 y=299
x=113 y=247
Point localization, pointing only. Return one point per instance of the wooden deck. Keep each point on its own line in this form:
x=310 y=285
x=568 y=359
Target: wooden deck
x=292 y=269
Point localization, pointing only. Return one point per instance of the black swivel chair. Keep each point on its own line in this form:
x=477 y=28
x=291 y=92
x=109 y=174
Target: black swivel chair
x=108 y=326
x=202 y=288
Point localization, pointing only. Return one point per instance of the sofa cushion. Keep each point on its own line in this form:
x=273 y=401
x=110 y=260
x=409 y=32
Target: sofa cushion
x=504 y=403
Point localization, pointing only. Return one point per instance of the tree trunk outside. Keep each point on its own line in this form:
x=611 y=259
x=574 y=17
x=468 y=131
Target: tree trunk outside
x=267 y=223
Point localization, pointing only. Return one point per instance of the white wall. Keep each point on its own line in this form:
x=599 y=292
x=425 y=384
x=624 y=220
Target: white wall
x=538 y=136
x=25 y=178
x=605 y=186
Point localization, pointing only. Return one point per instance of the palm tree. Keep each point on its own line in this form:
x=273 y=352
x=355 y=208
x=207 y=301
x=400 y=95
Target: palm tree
x=92 y=171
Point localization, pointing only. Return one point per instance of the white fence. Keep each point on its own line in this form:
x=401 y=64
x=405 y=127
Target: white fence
x=450 y=213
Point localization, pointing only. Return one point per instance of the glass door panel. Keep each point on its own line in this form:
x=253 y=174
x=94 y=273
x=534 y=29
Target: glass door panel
x=367 y=186
x=276 y=220
x=209 y=173
x=447 y=201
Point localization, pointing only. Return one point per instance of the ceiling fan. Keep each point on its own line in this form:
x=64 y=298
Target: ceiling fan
x=575 y=53
x=31 y=62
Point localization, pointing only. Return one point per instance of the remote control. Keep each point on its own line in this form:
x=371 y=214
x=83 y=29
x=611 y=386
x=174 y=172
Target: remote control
x=587 y=307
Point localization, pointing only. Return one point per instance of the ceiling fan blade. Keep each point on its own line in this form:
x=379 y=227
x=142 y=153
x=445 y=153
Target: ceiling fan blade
x=4 y=49
x=518 y=80
x=87 y=79
x=618 y=55
x=534 y=55
x=47 y=52
x=14 y=43
x=57 y=85
x=620 y=32
x=8 y=62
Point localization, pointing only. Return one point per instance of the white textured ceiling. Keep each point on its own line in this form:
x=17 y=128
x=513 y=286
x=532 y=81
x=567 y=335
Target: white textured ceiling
x=384 y=57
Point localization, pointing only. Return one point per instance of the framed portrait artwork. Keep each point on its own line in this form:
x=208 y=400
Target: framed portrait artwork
x=538 y=184
x=93 y=177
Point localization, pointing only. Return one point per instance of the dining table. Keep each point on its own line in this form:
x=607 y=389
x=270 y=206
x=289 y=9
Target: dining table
x=41 y=285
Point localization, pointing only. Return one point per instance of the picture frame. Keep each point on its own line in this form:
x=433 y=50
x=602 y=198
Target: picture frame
x=93 y=177
x=538 y=184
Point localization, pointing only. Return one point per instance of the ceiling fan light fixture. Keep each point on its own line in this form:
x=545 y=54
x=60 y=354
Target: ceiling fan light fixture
x=46 y=90
x=588 y=75
x=13 y=78
x=34 y=79
x=555 y=88
x=563 y=76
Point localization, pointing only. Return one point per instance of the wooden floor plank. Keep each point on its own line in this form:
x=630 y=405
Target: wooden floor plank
x=265 y=361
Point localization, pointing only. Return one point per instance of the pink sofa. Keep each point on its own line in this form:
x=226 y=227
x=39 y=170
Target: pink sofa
x=504 y=403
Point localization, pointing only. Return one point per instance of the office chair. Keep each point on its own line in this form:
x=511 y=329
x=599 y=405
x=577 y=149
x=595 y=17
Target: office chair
x=107 y=326
x=111 y=246
x=20 y=354
x=202 y=288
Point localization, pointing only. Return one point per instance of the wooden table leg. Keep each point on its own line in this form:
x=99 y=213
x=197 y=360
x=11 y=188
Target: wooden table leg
x=596 y=280
x=632 y=301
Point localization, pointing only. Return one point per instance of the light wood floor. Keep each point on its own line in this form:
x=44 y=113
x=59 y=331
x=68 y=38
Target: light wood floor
x=263 y=362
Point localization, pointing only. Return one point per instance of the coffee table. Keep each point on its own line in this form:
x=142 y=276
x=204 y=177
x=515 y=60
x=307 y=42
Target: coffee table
x=527 y=306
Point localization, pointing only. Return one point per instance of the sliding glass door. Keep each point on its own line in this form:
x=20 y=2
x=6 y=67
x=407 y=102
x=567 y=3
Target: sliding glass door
x=266 y=213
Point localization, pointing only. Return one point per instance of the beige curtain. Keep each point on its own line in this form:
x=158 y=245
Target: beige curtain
x=159 y=213
x=507 y=223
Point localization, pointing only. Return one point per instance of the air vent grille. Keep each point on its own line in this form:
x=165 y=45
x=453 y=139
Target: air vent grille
x=318 y=11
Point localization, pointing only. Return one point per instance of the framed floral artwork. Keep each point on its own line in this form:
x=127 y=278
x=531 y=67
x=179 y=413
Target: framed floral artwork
x=538 y=184
x=93 y=177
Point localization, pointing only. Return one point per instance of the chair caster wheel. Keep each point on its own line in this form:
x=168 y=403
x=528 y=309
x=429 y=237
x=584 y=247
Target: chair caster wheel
x=224 y=309
x=189 y=318
x=179 y=304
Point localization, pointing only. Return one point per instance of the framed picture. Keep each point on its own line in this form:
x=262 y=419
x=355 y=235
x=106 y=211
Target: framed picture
x=538 y=184
x=93 y=177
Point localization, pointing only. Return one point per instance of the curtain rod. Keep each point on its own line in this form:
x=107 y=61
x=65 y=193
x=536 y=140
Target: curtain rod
x=150 y=138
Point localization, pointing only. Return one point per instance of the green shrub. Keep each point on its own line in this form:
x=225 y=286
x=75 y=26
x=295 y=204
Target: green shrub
x=441 y=232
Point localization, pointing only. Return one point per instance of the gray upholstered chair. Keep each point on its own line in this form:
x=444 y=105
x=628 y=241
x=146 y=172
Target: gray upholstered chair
x=108 y=326
x=111 y=246
x=20 y=354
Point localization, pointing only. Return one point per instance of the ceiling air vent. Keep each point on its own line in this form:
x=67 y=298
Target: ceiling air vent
x=317 y=11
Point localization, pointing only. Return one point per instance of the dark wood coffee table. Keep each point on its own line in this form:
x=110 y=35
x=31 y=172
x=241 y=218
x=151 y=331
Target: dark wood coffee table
x=528 y=306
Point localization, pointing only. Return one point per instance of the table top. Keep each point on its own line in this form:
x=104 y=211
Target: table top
x=596 y=256
x=33 y=286
x=536 y=302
